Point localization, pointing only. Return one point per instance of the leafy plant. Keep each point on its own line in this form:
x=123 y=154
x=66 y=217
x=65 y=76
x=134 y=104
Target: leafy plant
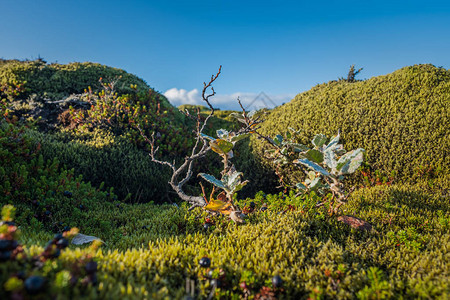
x=327 y=162
x=230 y=181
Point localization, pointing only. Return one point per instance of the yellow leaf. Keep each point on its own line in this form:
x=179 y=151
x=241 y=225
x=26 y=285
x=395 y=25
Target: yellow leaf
x=220 y=204
x=221 y=146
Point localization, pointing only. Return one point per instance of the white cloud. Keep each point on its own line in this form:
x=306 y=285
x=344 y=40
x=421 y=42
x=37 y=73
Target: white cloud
x=250 y=101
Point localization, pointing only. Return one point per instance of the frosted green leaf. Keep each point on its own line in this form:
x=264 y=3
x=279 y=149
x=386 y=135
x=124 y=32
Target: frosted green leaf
x=278 y=139
x=230 y=179
x=222 y=134
x=299 y=147
x=333 y=142
x=300 y=186
x=351 y=161
x=319 y=140
x=213 y=180
x=239 y=186
x=315 y=156
x=207 y=137
x=239 y=137
x=311 y=175
x=314 y=183
x=313 y=166
x=81 y=239
x=329 y=158
x=238 y=117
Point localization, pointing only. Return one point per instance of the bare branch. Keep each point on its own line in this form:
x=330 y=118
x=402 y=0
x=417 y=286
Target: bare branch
x=199 y=150
x=206 y=86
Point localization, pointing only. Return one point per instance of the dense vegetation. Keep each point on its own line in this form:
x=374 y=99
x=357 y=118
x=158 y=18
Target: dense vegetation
x=289 y=246
x=401 y=119
x=56 y=81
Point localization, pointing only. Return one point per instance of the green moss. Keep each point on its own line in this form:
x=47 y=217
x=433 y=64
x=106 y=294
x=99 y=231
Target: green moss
x=56 y=81
x=314 y=255
x=401 y=119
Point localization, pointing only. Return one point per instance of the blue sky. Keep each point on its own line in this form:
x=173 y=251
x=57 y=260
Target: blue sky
x=280 y=48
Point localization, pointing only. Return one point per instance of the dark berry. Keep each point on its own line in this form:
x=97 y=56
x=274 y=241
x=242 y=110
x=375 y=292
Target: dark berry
x=205 y=262
x=81 y=206
x=5 y=255
x=91 y=267
x=206 y=226
x=144 y=227
x=277 y=282
x=252 y=204
x=66 y=228
x=264 y=208
x=68 y=194
x=5 y=245
x=62 y=243
x=34 y=284
x=47 y=213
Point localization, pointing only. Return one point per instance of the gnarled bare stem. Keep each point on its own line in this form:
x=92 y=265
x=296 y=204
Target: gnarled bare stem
x=201 y=147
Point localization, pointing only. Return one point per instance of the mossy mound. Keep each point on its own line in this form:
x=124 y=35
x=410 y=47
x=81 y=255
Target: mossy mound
x=98 y=138
x=56 y=81
x=402 y=119
x=316 y=256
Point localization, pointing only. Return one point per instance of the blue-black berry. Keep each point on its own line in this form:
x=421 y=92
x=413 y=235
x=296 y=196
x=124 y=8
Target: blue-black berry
x=5 y=245
x=34 y=284
x=205 y=262
x=91 y=267
x=277 y=282
x=62 y=243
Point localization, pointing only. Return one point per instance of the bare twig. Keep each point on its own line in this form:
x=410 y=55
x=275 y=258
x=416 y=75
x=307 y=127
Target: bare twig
x=199 y=150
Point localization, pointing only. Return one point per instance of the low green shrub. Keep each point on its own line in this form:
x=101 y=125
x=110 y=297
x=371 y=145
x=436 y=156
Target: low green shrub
x=102 y=157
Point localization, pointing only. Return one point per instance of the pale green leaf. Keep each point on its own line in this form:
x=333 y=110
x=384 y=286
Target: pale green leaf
x=213 y=180
x=312 y=165
x=319 y=140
